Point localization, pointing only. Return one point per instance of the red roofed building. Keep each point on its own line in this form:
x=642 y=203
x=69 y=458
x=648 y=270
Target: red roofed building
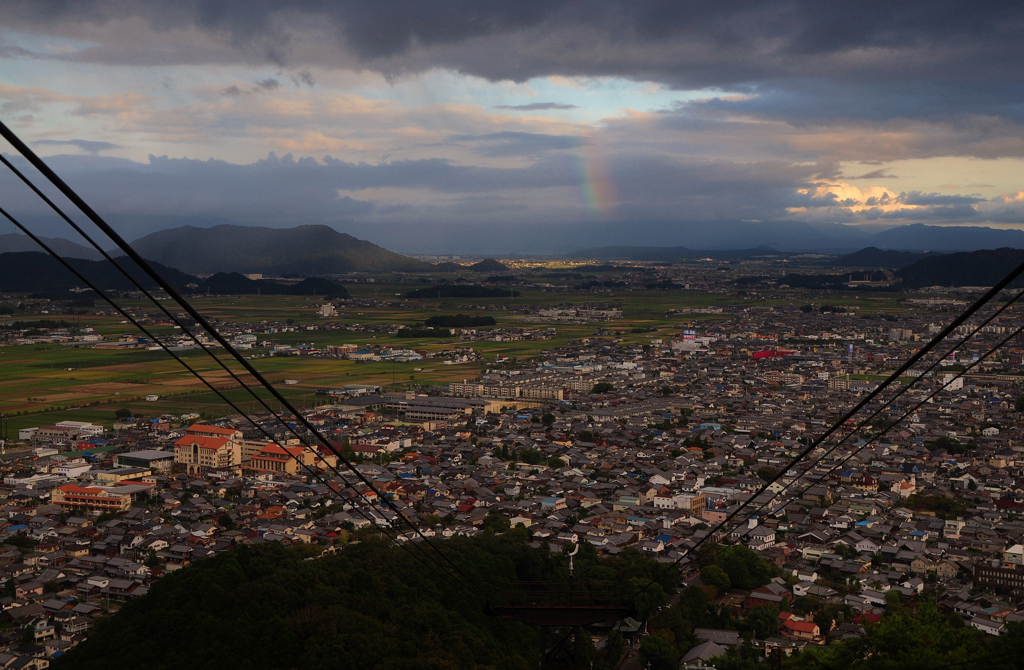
x=206 y=430
x=207 y=447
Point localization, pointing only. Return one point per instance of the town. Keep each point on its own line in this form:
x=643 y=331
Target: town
x=627 y=438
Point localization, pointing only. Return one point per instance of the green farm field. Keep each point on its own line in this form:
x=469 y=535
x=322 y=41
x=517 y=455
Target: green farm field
x=43 y=384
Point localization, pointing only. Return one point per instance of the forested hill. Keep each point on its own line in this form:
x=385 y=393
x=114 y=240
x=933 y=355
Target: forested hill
x=303 y=250
x=375 y=606
x=489 y=265
x=972 y=268
x=37 y=272
x=372 y=605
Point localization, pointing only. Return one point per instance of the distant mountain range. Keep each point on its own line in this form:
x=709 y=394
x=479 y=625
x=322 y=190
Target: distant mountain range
x=12 y=242
x=305 y=250
x=919 y=237
x=746 y=240
x=973 y=268
x=581 y=239
x=320 y=250
x=873 y=257
x=37 y=272
x=984 y=267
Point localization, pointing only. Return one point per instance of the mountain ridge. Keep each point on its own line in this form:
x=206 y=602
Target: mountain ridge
x=922 y=237
x=320 y=249
x=16 y=242
x=881 y=258
x=303 y=250
x=983 y=267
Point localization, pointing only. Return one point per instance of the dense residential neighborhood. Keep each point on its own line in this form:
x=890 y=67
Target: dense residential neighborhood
x=642 y=448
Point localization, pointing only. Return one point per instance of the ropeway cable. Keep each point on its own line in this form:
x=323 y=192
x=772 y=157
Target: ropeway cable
x=881 y=433
x=895 y=396
x=69 y=193
x=935 y=341
x=189 y=368
x=919 y=405
x=203 y=346
x=891 y=425
x=256 y=424
x=130 y=252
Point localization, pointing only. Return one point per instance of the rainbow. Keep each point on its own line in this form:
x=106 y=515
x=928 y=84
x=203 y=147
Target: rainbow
x=598 y=188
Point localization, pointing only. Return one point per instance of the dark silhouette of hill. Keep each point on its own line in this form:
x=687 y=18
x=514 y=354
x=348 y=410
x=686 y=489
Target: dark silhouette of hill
x=920 y=237
x=223 y=283
x=35 y=271
x=371 y=605
x=489 y=265
x=305 y=250
x=13 y=242
x=971 y=268
x=873 y=257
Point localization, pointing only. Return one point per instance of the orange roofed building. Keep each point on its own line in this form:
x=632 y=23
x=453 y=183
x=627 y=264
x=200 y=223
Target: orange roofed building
x=801 y=630
x=206 y=447
x=206 y=430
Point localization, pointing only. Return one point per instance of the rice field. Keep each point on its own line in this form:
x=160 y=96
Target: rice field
x=43 y=384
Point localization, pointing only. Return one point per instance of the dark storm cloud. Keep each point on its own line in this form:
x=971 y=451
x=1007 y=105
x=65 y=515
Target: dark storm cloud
x=805 y=63
x=536 y=106
x=841 y=133
x=806 y=101
x=689 y=44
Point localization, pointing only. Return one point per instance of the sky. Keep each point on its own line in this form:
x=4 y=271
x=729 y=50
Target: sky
x=420 y=124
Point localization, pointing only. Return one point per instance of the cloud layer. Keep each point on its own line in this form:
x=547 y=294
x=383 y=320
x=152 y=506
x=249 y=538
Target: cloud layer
x=502 y=112
x=689 y=43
